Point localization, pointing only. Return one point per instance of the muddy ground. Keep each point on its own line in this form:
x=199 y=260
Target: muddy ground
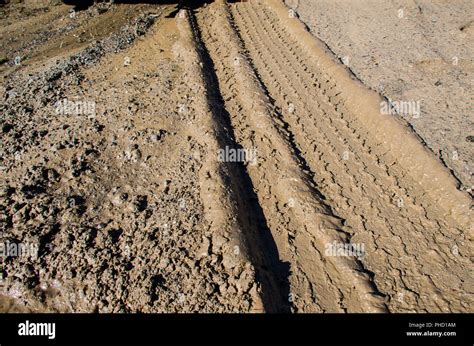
x=119 y=125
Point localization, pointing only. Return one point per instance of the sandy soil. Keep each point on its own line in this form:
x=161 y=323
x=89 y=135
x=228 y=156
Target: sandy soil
x=410 y=51
x=132 y=207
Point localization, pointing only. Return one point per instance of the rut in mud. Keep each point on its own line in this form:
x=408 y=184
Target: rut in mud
x=331 y=172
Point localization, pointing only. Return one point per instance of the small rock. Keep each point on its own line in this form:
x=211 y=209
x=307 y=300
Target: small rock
x=217 y=242
x=230 y=260
x=140 y=204
x=204 y=250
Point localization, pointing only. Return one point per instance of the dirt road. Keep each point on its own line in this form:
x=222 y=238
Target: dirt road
x=335 y=206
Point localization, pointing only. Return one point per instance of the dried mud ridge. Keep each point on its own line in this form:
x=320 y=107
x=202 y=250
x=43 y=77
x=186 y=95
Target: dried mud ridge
x=330 y=169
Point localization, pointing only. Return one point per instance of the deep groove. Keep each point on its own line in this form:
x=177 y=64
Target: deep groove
x=271 y=272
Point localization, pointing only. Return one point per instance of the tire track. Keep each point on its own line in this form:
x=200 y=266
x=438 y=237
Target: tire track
x=226 y=190
x=301 y=222
x=325 y=125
